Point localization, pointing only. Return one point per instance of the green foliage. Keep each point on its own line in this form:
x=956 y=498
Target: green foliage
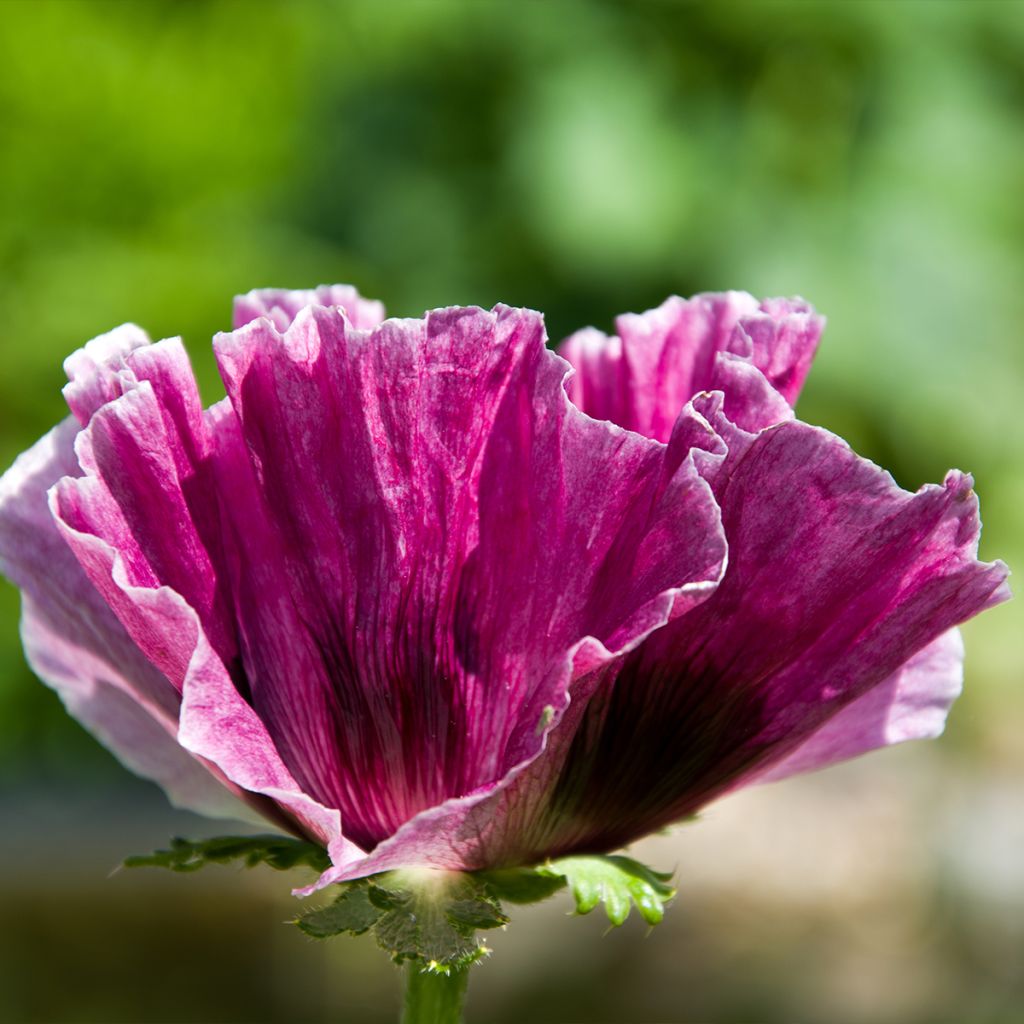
x=353 y=912
x=427 y=917
x=522 y=885
x=617 y=882
x=436 y=923
x=278 y=852
x=431 y=918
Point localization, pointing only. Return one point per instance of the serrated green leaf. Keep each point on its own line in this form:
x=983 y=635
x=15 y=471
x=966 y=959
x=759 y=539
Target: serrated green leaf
x=521 y=885
x=430 y=917
x=278 y=852
x=351 y=912
x=478 y=912
x=433 y=917
x=414 y=931
x=618 y=882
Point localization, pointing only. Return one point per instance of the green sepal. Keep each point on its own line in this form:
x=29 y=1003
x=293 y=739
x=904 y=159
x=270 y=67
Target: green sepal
x=617 y=882
x=521 y=885
x=278 y=852
x=429 y=917
x=351 y=912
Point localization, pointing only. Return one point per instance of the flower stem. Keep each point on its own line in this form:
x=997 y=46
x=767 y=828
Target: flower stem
x=433 y=998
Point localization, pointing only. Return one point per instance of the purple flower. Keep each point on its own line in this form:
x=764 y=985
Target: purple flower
x=419 y=593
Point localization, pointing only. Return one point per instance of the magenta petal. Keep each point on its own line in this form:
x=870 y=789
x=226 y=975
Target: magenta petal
x=601 y=384
x=642 y=378
x=111 y=707
x=135 y=505
x=273 y=633
x=910 y=705
x=219 y=726
x=34 y=556
x=506 y=823
x=748 y=399
x=166 y=367
x=440 y=558
x=168 y=632
x=97 y=371
x=215 y=721
x=148 y=491
x=75 y=644
x=836 y=578
x=107 y=367
x=780 y=341
x=282 y=305
x=518 y=819
x=404 y=598
x=97 y=534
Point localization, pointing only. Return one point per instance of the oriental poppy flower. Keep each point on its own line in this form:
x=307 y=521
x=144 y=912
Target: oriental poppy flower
x=418 y=592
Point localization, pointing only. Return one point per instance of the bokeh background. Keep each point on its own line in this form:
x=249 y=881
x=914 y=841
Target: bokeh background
x=583 y=159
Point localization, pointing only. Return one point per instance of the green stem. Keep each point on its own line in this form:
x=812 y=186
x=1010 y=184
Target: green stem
x=433 y=998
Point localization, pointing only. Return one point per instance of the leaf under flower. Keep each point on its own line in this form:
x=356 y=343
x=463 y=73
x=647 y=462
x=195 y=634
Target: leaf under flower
x=352 y=912
x=617 y=882
x=278 y=852
x=430 y=917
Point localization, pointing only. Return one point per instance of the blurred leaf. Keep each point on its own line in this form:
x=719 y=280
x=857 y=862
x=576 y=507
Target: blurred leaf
x=278 y=852
x=522 y=885
x=617 y=882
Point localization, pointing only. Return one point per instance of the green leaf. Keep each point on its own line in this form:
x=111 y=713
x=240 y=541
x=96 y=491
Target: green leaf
x=278 y=852
x=521 y=885
x=430 y=917
x=351 y=912
x=433 y=917
x=617 y=882
x=477 y=912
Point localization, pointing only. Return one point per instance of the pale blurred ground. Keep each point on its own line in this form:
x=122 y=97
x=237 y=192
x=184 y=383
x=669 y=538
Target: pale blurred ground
x=584 y=159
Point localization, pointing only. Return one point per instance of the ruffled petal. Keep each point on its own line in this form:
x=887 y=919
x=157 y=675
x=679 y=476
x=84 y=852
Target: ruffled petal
x=780 y=340
x=748 y=400
x=97 y=373
x=642 y=378
x=213 y=722
x=601 y=384
x=158 y=513
x=108 y=705
x=282 y=305
x=143 y=525
x=911 y=704
x=508 y=822
x=76 y=645
x=836 y=579
x=443 y=555
x=148 y=490
x=402 y=597
x=220 y=727
x=34 y=557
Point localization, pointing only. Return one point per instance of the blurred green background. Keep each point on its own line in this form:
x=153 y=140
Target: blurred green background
x=584 y=159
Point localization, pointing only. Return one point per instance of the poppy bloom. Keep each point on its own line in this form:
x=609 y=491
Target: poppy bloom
x=419 y=592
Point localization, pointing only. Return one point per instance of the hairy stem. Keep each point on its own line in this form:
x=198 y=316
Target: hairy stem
x=433 y=998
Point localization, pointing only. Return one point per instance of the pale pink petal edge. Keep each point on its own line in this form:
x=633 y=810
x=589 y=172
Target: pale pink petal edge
x=912 y=704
